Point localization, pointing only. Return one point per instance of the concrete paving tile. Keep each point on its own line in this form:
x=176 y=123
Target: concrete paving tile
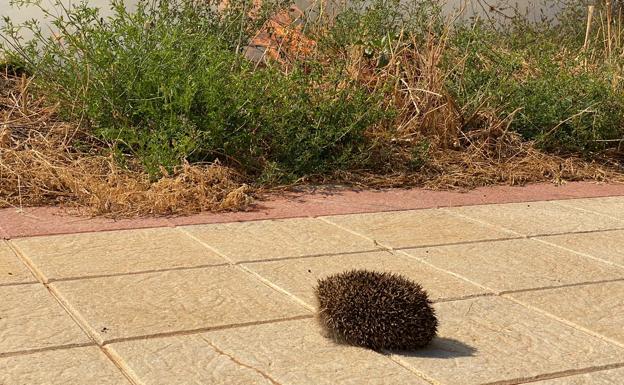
x=12 y=270
x=538 y=218
x=417 y=228
x=607 y=245
x=181 y=360
x=517 y=264
x=611 y=206
x=603 y=377
x=75 y=366
x=248 y=241
x=491 y=339
x=295 y=353
x=30 y=318
x=115 y=252
x=299 y=276
x=596 y=307
x=179 y=300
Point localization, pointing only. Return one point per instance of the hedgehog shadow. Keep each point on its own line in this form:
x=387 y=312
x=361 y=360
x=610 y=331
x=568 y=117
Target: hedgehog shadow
x=440 y=347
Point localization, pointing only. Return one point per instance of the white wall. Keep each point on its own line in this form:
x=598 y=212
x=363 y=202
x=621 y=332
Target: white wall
x=470 y=7
x=533 y=9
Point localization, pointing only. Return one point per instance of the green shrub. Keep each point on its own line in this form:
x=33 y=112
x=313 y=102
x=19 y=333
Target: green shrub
x=167 y=84
x=527 y=74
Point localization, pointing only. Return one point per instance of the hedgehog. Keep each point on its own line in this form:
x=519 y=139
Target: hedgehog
x=379 y=311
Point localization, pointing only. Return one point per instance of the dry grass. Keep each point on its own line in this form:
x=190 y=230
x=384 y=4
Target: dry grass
x=41 y=165
x=472 y=168
x=462 y=152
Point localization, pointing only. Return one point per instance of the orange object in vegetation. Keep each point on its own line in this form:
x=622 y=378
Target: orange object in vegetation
x=281 y=38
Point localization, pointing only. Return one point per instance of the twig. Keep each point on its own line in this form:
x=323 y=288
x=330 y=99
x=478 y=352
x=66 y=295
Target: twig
x=586 y=110
x=609 y=17
x=590 y=16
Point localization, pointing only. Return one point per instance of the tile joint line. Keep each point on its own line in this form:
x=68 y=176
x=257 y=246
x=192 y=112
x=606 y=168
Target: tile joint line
x=76 y=318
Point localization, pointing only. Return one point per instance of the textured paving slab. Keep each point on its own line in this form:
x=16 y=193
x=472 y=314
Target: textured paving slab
x=517 y=264
x=603 y=377
x=417 y=228
x=181 y=360
x=299 y=276
x=302 y=356
x=75 y=366
x=12 y=270
x=611 y=206
x=247 y=241
x=605 y=245
x=114 y=252
x=596 y=307
x=490 y=339
x=283 y=353
x=30 y=319
x=154 y=303
x=539 y=218
x=169 y=315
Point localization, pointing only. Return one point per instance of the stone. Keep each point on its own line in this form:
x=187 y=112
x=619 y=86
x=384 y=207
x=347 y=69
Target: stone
x=604 y=245
x=294 y=352
x=289 y=352
x=539 y=218
x=603 y=377
x=181 y=360
x=609 y=206
x=12 y=270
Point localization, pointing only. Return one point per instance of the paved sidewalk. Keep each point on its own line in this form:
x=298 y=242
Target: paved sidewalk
x=525 y=293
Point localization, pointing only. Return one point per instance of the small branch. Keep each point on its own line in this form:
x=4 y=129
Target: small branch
x=590 y=16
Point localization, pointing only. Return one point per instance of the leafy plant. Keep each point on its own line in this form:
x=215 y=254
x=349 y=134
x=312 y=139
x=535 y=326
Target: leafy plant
x=167 y=83
x=552 y=96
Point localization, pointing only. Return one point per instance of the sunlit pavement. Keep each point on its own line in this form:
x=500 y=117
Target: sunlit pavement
x=525 y=293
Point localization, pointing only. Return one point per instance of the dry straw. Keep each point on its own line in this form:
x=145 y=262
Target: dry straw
x=40 y=164
x=488 y=153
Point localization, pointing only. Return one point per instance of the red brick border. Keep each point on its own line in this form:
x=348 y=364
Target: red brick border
x=51 y=220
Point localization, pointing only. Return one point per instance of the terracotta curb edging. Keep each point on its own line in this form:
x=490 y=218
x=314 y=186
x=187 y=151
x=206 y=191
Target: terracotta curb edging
x=15 y=223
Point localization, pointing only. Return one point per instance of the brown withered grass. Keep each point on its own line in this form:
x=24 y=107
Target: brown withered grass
x=45 y=161
x=40 y=164
x=462 y=151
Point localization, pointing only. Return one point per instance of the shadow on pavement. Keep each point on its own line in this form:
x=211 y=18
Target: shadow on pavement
x=440 y=348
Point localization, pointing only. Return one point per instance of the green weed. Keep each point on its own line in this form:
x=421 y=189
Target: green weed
x=166 y=83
